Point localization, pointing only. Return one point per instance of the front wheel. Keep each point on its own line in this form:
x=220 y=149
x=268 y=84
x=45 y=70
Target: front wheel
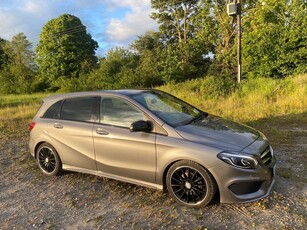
x=48 y=160
x=190 y=184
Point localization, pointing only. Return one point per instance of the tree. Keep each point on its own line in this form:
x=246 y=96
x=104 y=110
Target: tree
x=149 y=49
x=19 y=52
x=116 y=70
x=275 y=41
x=3 y=56
x=184 y=57
x=65 y=50
x=18 y=72
x=217 y=31
x=174 y=18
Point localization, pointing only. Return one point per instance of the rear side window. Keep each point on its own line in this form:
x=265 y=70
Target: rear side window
x=78 y=109
x=53 y=111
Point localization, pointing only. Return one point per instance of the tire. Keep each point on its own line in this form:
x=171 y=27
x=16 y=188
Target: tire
x=190 y=184
x=48 y=160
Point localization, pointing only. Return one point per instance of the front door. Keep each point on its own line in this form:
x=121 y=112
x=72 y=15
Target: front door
x=118 y=151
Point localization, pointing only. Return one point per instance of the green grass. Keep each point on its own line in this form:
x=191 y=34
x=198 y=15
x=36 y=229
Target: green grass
x=20 y=106
x=22 y=99
x=251 y=100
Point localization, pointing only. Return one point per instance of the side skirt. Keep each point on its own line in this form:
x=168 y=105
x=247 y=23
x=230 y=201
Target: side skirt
x=107 y=175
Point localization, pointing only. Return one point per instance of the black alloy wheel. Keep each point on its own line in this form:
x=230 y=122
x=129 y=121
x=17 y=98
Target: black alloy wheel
x=190 y=184
x=48 y=160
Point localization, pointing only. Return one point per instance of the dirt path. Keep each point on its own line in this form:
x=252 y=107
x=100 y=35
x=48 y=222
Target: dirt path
x=30 y=200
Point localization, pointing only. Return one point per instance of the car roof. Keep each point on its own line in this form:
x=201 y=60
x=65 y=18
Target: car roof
x=126 y=92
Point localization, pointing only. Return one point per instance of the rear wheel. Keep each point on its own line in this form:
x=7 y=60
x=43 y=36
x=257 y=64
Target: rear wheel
x=190 y=184
x=48 y=160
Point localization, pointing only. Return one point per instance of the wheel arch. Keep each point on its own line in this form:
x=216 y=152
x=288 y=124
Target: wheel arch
x=173 y=162
x=37 y=146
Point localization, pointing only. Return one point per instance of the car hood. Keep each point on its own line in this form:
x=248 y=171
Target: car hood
x=218 y=132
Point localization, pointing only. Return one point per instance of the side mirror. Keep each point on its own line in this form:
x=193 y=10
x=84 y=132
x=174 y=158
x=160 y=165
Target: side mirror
x=140 y=126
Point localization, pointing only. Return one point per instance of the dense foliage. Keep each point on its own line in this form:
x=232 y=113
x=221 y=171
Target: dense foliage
x=17 y=66
x=196 y=39
x=65 y=50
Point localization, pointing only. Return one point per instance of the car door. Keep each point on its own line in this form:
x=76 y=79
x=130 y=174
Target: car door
x=70 y=127
x=118 y=151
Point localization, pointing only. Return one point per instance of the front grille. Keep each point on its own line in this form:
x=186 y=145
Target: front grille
x=267 y=156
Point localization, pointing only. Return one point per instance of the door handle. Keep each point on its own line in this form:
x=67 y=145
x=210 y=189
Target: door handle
x=58 y=126
x=101 y=131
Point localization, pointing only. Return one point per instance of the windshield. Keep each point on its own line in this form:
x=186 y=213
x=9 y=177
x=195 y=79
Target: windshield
x=168 y=108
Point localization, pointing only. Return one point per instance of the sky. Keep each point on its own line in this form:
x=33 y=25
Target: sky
x=110 y=22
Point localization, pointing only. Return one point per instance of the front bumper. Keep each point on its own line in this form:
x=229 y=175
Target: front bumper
x=243 y=185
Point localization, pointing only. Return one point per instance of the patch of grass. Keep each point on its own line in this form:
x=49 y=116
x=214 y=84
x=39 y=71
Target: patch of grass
x=252 y=100
x=21 y=99
x=19 y=106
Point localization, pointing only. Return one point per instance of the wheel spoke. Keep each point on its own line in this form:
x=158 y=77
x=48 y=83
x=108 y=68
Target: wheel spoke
x=198 y=179
x=198 y=197
x=184 y=191
x=198 y=190
x=176 y=185
x=182 y=174
x=178 y=175
x=188 y=173
x=179 y=181
x=178 y=190
x=193 y=176
x=188 y=197
x=193 y=198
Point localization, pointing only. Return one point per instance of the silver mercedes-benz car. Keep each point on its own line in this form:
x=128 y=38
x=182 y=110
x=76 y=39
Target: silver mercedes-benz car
x=151 y=138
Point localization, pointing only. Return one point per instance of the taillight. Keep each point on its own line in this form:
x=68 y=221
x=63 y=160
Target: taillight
x=31 y=126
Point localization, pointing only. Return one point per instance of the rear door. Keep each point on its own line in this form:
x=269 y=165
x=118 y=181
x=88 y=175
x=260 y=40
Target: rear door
x=121 y=152
x=70 y=127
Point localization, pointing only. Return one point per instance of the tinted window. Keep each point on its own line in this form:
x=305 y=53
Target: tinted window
x=78 y=109
x=53 y=111
x=118 y=112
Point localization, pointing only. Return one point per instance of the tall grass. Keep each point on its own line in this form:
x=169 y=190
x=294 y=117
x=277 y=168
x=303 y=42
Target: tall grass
x=20 y=99
x=251 y=100
x=19 y=106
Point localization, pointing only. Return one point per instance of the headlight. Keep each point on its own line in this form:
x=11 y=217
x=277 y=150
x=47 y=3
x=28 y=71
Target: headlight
x=238 y=160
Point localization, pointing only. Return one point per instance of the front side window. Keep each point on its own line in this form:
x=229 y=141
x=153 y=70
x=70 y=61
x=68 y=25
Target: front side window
x=78 y=109
x=118 y=112
x=168 y=108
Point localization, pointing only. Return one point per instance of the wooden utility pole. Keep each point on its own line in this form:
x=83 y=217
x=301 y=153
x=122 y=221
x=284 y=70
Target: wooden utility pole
x=239 y=40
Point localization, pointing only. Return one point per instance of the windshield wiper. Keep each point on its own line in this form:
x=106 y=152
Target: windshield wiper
x=201 y=116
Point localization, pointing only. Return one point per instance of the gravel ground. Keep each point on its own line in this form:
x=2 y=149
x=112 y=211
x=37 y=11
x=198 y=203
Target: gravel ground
x=30 y=200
